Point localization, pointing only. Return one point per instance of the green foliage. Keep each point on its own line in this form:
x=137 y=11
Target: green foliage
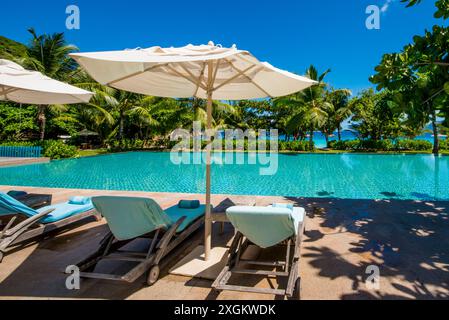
x=382 y=145
x=441 y=5
x=56 y=149
x=10 y=48
x=413 y=145
x=444 y=144
x=126 y=145
x=375 y=116
x=297 y=145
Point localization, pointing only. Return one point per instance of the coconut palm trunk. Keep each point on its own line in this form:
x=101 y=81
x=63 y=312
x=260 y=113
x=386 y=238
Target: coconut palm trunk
x=121 y=125
x=42 y=119
x=312 y=135
x=436 y=140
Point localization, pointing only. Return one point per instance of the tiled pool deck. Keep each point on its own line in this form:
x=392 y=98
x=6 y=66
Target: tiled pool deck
x=408 y=240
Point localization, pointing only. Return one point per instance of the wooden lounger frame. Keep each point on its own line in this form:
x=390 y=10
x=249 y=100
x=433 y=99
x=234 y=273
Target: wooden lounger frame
x=290 y=267
x=110 y=249
x=31 y=228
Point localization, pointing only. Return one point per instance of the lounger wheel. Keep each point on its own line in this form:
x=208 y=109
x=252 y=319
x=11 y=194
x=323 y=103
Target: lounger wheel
x=153 y=275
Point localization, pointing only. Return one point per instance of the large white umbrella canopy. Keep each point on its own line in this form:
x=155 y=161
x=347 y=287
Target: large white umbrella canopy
x=32 y=87
x=205 y=71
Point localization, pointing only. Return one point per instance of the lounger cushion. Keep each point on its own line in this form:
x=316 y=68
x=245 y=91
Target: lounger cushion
x=189 y=204
x=266 y=226
x=283 y=205
x=131 y=217
x=63 y=211
x=80 y=200
x=175 y=213
x=11 y=206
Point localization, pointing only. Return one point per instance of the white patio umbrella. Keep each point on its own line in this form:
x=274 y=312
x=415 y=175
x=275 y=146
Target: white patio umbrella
x=205 y=71
x=31 y=87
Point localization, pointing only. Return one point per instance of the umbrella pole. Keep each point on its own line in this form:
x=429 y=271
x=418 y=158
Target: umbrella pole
x=208 y=219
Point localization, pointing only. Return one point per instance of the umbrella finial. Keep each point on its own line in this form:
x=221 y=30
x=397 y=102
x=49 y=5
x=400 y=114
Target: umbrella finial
x=211 y=43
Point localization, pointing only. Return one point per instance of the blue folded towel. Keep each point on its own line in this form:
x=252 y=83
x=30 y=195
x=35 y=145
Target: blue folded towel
x=283 y=205
x=79 y=200
x=16 y=194
x=189 y=204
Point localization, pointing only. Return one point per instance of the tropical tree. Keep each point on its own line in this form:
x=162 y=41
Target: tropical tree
x=375 y=116
x=337 y=109
x=307 y=107
x=47 y=54
x=441 y=5
x=419 y=75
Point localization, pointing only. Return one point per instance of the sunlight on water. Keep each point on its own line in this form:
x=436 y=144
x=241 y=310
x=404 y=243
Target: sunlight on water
x=355 y=176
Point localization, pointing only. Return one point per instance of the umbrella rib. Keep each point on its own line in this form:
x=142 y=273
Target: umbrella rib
x=189 y=73
x=7 y=91
x=181 y=75
x=136 y=73
x=247 y=77
x=239 y=74
x=200 y=79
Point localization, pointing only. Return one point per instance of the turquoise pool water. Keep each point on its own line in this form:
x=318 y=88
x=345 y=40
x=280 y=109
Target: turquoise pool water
x=355 y=176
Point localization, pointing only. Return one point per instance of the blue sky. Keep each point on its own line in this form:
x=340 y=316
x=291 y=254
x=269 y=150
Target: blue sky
x=289 y=34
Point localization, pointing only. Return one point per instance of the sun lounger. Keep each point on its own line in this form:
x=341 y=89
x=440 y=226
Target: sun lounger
x=265 y=227
x=32 y=200
x=133 y=218
x=32 y=223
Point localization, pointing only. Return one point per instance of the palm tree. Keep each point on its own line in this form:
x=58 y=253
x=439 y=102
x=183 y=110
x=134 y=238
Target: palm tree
x=338 y=109
x=47 y=54
x=308 y=106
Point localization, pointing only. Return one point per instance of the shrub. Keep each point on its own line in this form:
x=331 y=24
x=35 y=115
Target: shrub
x=444 y=144
x=297 y=145
x=413 y=145
x=56 y=149
x=126 y=145
x=383 y=145
x=348 y=145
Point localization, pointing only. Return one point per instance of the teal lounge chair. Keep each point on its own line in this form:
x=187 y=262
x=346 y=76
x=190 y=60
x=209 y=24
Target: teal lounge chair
x=36 y=222
x=131 y=218
x=277 y=225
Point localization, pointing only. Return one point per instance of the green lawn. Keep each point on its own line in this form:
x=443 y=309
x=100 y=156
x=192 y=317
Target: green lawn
x=90 y=153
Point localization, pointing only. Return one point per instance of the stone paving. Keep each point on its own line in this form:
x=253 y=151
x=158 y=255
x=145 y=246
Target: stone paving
x=407 y=240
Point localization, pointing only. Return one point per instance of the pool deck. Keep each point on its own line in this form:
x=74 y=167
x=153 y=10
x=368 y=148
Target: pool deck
x=408 y=240
x=9 y=162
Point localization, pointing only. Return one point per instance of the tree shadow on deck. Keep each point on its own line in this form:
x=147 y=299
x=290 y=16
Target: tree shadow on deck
x=407 y=240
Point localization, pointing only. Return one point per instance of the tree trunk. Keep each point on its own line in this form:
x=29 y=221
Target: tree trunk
x=122 y=124
x=42 y=119
x=339 y=133
x=436 y=140
x=312 y=132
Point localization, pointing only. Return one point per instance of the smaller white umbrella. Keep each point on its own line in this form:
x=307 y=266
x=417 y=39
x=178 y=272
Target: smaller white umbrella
x=31 y=87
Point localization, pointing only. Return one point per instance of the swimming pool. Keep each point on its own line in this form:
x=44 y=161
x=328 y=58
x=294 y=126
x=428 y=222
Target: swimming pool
x=355 y=176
